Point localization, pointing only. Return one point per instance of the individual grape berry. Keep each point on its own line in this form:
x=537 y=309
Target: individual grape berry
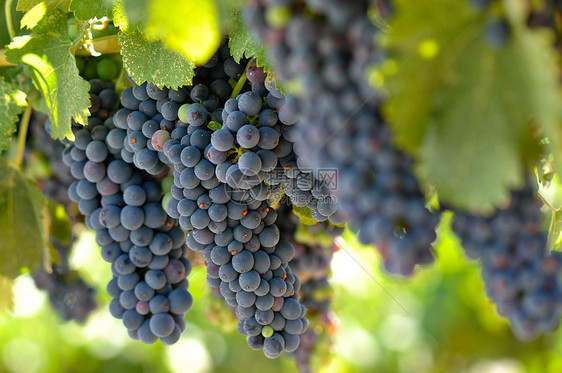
x=222 y=140
x=248 y=136
x=497 y=33
x=196 y=114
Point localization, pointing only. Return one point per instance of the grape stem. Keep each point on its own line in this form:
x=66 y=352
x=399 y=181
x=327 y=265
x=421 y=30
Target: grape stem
x=241 y=82
x=105 y=45
x=22 y=133
x=238 y=151
x=3 y=60
x=9 y=20
x=82 y=29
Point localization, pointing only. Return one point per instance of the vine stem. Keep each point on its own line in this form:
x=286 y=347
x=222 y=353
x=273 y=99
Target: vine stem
x=546 y=202
x=105 y=45
x=22 y=133
x=3 y=60
x=9 y=20
x=241 y=82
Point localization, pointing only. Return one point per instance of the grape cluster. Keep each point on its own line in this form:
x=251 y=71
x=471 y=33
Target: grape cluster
x=236 y=234
x=40 y=145
x=314 y=246
x=253 y=145
x=520 y=276
x=220 y=150
x=327 y=47
x=105 y=67
x=68 y=294
x=144 y=246
x=258 y=128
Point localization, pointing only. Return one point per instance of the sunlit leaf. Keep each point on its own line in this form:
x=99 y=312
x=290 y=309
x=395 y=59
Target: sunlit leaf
x=189 y=27
x=55 y=75
x=40 y=20
x=26 y=5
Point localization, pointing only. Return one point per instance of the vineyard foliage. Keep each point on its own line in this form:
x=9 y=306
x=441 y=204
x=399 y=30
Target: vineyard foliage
x=458 y=109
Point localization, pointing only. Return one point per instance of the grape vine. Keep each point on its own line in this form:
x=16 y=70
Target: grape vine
x=342 y=127
x=250 y=139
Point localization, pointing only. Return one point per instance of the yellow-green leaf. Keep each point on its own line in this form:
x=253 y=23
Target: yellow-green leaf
x=6 y=294
x=40 y=20
x=191 y=27
x=468 y=112
x=26 y=5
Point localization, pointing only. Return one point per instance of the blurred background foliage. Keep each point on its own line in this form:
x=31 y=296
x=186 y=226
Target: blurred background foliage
x=438 y=321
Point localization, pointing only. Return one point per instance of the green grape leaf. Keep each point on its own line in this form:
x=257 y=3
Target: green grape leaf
x=12 y=103
x=85 y=10
x=26 y=5
x=120 y=17
x=152 y=62
x=22 y=208
x=55 y=75
x=166 y=21
x=243 y=43
x=466 y=111
x=304 y=214
x=39 y=20
x=129 y=15
x=6 y=294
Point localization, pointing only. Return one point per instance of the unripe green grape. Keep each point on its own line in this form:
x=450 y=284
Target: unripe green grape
x=90 y=72
x=72 y=31
x=181 y=112
x=167 y=183
x=106 y=69
x=267 y=331
x=167 y=197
